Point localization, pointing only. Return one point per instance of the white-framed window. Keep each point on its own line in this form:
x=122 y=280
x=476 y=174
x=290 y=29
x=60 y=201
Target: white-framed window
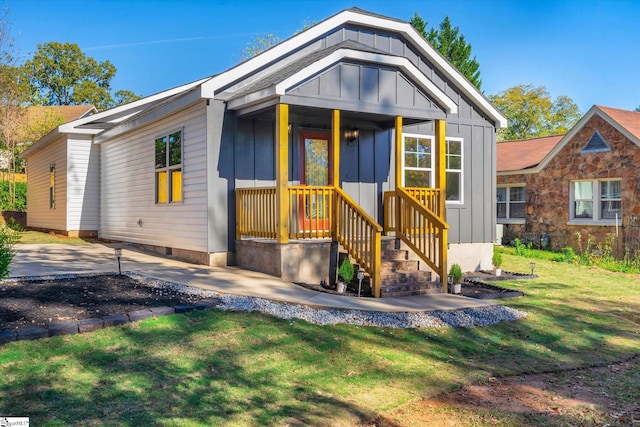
x=168 y=168
x=418 y=161
x=596 y=200
x=510 y=204
x=454 y=169
x=52 y=186
x=418 y=164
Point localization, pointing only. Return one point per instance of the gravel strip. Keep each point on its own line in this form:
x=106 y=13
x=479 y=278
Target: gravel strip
x=465 y=318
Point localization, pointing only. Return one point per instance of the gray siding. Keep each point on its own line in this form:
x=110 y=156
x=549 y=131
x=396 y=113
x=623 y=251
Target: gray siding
x=362 y=85
x=128 y=210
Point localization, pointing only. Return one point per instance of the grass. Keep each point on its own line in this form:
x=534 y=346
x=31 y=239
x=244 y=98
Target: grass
x=237 y=369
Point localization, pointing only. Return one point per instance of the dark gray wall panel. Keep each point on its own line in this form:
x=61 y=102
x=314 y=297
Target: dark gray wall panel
x=366 y=38
x=264 y=153
x=383 y=42
x=369 y=84
x=330 y=83
x=350 y=84
x=477 y=184
x=245 y=154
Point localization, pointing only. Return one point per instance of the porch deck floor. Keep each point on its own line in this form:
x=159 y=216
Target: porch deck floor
x=55 y=259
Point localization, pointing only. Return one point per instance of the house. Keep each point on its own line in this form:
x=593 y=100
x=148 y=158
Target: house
x=59 y=194
x=39 y=120
x=350 y=129
x=563 y=190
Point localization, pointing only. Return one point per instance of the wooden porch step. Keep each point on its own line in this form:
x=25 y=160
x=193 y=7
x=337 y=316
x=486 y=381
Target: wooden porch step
x=408 y=289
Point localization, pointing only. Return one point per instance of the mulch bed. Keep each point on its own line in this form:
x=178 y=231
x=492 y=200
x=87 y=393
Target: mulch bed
x=29 y=303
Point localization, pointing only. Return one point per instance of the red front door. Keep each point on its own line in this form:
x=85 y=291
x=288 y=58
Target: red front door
x=316 y=167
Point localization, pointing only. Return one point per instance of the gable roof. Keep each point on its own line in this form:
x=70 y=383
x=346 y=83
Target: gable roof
x=359 y=17
x=626 y=122
x=282 y=57
x=524 y=154
x=629 y=121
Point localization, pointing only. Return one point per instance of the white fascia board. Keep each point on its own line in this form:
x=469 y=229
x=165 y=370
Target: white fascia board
x=134 y=106
x=348 y=16
x=395 y=61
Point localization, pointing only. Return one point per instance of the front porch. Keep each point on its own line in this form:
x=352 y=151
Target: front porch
x=294 y=231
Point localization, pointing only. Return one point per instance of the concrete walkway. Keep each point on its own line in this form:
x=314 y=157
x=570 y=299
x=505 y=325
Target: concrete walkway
x=53 y=259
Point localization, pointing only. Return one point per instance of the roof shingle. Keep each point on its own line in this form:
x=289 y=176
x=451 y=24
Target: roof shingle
x=524 y=154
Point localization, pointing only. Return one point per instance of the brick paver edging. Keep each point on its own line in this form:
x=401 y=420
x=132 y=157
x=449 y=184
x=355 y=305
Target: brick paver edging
x=93 y=324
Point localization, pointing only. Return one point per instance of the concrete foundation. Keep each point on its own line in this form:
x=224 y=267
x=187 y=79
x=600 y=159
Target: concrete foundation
x=308 y=261
x=471 y=256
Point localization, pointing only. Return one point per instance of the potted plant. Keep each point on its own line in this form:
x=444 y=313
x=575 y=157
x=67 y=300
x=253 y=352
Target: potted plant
x=456 y=274
x=497 y=262
x=345 y=275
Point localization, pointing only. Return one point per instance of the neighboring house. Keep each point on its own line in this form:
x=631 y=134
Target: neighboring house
x=57 y=195
x=562 y=190
x=321 y=138
x=39 y=120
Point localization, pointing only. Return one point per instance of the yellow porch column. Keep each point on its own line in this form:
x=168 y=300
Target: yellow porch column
x=398 y=167
x=441 y=183
x=441 y=167
x=282 y=173
x=335 y=146
x=335 y=172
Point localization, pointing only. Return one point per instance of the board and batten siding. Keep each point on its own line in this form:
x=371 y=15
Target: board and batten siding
x=39 y=212
x=83 y=188
x=128 y=209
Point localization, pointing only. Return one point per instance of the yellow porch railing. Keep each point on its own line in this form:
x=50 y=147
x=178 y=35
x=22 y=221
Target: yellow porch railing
x=314 y=212
x=419 y=227
x=310 y=211
x=256 y=212
x=360 y=235
x=429 y=197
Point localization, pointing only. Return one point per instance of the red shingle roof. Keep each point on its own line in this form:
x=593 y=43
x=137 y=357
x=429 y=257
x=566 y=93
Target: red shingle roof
x=68 y=113
x=524 y=154
x=630 y=120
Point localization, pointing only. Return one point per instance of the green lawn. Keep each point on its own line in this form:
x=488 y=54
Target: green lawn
x=218 y=368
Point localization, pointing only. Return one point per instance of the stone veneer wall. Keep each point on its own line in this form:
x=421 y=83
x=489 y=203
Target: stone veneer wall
x=548 y=192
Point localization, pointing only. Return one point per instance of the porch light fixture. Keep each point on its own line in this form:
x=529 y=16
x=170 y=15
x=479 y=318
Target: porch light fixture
x=351 y=135
x=533 y=267
x=118 y=252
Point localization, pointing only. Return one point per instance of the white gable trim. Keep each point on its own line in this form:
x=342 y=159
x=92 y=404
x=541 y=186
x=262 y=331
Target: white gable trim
x=209 y=88
x=400 y=62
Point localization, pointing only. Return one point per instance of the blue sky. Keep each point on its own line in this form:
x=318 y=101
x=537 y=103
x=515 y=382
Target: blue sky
x=587 y=50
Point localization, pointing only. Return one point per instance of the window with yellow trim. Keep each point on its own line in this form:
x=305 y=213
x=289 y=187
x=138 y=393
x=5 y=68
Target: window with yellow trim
x=52 y=186
x=168 y=150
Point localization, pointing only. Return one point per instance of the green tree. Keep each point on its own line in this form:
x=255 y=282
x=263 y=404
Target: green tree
x=532 y=113
x=452 y=45
x=259 y=44
x=61 y=74
x=637 y=109
x=12 y=98
x=122 y=97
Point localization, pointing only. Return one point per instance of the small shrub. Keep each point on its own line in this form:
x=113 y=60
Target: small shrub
x=496 y=259
x=456 y=272
x=346 y=270
x=8 y=238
